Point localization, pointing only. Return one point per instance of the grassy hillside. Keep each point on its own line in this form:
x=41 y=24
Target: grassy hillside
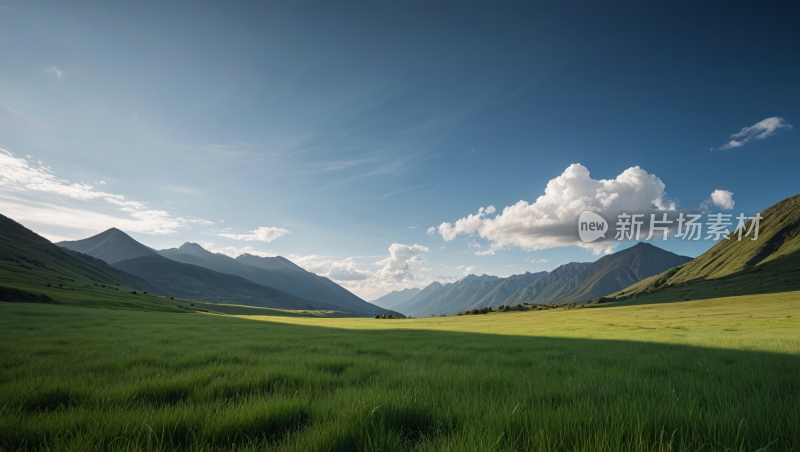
x=31 y=263
x=770 y=264
x=717 y=376
x=127 y=279
x=198 y=283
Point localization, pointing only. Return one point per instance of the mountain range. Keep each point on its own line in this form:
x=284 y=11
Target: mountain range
x=573 y=282
x=191 y=272
x=769 y=264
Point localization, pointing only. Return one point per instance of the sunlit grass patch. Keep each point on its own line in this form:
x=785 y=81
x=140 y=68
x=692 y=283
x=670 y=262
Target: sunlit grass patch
x=500 y=382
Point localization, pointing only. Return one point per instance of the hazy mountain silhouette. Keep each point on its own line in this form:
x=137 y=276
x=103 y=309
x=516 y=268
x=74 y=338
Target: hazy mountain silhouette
x=396 y=297
x=457 y=296
x=197 y=283
x=132 y=281
x=287 y=276
x=609 y=274
x=275 y=272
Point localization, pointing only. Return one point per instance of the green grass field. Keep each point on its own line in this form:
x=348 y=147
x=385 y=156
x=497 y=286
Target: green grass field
x=719 y=375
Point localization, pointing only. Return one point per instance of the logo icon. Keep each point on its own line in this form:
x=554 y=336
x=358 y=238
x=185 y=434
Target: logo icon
x=591 y=226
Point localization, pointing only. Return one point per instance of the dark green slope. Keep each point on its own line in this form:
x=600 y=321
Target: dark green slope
x=30 y=263
x=127 y=279
x=26 y=256
x=198 y=283
x=111 y=246
x=506 y=289
x=769 y=264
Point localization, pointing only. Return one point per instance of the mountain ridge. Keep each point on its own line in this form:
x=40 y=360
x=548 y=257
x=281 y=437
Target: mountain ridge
x=731 y=267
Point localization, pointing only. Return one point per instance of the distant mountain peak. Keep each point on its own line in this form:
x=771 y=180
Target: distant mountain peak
x=111 y=245
x=192 y=246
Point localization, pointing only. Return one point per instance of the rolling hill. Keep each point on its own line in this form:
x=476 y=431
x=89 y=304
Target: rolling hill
x=769 y=264
x=125 y=278
x=194 y=282
x=32 y=264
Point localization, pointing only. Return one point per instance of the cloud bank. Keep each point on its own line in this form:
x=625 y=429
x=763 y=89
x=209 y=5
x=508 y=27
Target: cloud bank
x=262 y=234
x=550 y=221
x=18 y=176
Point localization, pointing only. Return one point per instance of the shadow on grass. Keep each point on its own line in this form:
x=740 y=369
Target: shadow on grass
x=157 y=384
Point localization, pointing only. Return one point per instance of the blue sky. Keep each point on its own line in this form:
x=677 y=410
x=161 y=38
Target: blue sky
x=338 y=129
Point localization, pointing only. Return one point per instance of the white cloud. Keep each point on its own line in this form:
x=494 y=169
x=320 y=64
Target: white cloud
x=262 y=234
x=398 y=271
x=723 y=199
x=550 y=221
x=411 y=227
x=759 y=131
x=59 y=73
x=232 y=251
x=17 y=175
x=431 y=230
x=536 y=261
x=720 y=198
x=84 y=221
x=469 y=269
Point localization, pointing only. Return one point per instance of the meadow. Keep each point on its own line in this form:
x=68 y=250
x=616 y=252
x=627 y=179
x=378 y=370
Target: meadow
x=713 y=375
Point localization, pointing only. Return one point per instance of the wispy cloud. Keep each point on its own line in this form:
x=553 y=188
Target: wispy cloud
x=18 y=175
x=536 y=261
x=59 y=73
x=262 y=234
x=411 y=227
x=759 y=131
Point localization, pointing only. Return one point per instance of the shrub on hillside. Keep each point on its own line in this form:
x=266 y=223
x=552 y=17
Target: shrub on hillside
x=21 y=296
